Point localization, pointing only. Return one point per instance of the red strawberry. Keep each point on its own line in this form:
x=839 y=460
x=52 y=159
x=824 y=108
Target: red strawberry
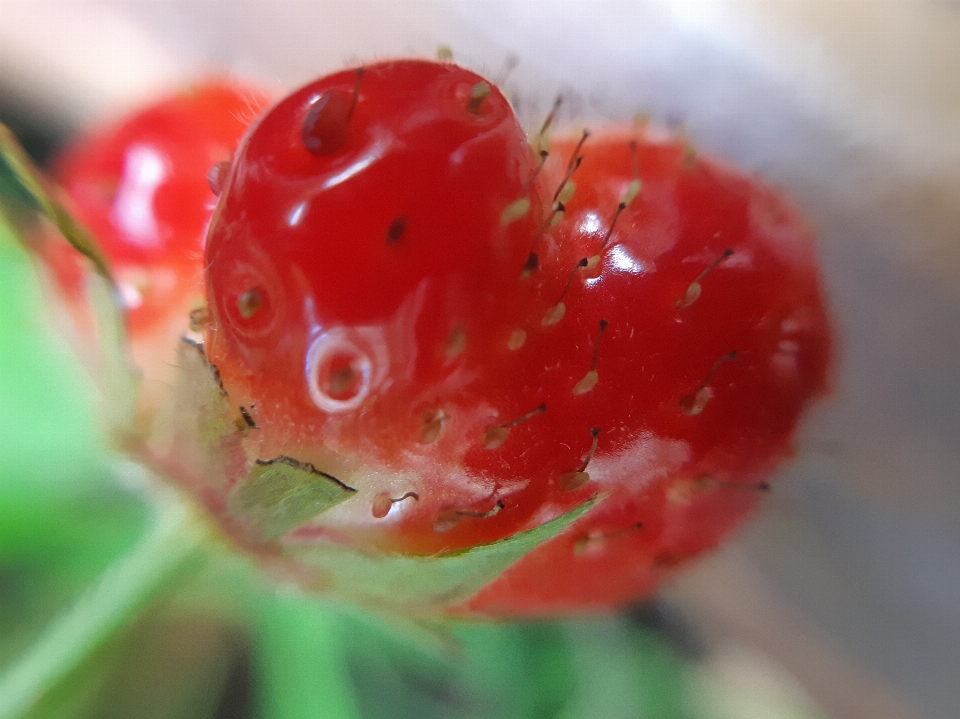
x=406 y=306
x=141 y=186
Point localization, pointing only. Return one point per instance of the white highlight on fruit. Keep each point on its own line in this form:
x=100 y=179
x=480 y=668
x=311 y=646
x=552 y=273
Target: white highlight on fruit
x=645 y=459
x=624 y=261
x=131 y=296
x=377 y=150
x=323 y=348
x=296 y=214
x=144 y=170
x=591 y=224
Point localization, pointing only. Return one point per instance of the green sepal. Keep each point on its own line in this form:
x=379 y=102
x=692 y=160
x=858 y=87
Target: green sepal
x=280 y=494
x=196 y=435
x=25 y=198
x=421 y=584
x=20 y=173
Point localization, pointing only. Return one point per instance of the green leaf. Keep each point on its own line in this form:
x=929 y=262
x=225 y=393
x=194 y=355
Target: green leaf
x=423 y=584
x=24 y=199
x=282 y=493
x=49 y=448
x=202 y=435
x=196 y=432
x=174 y=536
x=19 y=172
x=299 y=666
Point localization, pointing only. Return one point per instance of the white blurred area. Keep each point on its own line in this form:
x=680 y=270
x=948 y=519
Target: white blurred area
x=850 y=579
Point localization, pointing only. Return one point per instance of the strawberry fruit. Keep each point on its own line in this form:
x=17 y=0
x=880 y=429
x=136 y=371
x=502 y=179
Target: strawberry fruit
x=467 y=337
x=141 y=186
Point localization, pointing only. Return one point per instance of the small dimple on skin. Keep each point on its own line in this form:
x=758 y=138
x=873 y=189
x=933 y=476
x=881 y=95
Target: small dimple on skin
x=432 y=427
x=249 y=302
x=356 y=376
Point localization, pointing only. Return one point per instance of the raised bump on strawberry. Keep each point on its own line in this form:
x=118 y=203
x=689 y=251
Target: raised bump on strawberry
x=407 y=340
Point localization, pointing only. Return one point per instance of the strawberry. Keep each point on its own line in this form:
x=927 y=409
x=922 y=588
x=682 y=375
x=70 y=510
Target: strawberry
x=141 y=186
x=452 y=339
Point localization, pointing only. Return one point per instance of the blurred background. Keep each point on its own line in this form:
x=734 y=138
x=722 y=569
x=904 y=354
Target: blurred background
x=845 y=591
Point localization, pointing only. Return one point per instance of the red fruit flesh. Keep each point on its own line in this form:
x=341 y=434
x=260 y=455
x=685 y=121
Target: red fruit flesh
x=376 y=304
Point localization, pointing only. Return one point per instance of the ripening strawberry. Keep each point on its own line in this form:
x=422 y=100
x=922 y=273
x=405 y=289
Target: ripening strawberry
x=468 y=337
x=141 y=186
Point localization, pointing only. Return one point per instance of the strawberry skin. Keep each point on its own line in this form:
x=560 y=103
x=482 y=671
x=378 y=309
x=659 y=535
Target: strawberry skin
x=690 y=432
x=403 y=300
x=140 y=185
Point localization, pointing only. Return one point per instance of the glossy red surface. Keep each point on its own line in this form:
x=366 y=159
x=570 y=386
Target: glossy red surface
x=140 y=185
x=397 y=343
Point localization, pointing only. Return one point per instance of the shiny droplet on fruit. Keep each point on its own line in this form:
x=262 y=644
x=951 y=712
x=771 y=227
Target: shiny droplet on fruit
x=338 y=372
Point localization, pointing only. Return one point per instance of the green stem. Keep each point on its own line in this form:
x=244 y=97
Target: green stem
x=301 y=672
x=126 y=586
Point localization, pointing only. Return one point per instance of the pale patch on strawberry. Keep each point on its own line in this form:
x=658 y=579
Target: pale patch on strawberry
x=645 y=460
